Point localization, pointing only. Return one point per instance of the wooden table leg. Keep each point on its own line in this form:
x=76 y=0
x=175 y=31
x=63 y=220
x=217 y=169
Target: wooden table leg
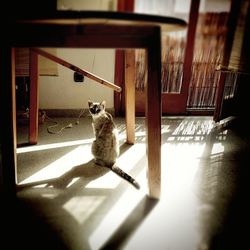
x=8 y=137
x=33 y=122
x=153 y=116
x=130 y=95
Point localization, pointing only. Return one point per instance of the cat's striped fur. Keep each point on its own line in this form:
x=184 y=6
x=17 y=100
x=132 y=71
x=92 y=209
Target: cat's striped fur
x=105 y=147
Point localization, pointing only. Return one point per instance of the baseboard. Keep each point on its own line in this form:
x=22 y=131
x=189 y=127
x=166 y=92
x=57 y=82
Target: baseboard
x=23 y=115
x=71 y=112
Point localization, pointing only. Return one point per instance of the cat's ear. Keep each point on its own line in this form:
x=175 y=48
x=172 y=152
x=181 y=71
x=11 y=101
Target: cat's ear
x=90 y=103
x=103 y=103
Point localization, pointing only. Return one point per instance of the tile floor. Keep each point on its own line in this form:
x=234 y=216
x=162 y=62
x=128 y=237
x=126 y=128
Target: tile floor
x=65 y=202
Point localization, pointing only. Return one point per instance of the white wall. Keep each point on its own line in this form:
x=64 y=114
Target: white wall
x=86 y=4
x=61 y=92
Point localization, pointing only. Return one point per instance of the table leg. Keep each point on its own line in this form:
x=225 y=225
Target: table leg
x=8 y=134
x=130 y=95
x=33 y=121
x=153 y=116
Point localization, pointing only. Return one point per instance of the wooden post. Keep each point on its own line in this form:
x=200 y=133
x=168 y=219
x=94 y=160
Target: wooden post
x=119 y=102
x=231 y=25
x=189 y=51
x=119 y=98
x=130 y=95
x=125 y=5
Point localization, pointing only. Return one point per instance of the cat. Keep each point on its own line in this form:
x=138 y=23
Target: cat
x=105 y=148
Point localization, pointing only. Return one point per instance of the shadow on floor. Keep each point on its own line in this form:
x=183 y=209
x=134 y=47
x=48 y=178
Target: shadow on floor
x=127 y=228
x=86 y=170
x=224 y=188
x=24 y=227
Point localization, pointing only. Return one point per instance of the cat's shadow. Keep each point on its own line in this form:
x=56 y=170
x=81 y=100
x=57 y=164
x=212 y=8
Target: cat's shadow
x=88 y=170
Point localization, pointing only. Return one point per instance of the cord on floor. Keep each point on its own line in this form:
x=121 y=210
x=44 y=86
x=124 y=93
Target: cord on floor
x=70 y=125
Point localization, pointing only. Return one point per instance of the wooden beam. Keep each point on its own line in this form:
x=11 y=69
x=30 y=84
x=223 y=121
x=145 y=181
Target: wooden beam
x=77 y=69
x=189 y=51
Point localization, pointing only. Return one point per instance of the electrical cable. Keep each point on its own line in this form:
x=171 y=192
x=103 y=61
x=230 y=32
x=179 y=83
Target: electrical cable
x=70 y=125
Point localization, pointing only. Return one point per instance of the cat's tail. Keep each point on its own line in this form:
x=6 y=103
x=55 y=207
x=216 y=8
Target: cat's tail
x=125 y=176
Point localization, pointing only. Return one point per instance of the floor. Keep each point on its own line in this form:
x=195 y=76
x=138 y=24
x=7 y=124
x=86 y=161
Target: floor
x=66 y=202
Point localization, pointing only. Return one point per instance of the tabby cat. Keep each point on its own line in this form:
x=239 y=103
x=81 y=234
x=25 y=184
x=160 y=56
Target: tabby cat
x=105 y=147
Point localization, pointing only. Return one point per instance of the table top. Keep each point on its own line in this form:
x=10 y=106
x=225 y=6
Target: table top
x=166 y=23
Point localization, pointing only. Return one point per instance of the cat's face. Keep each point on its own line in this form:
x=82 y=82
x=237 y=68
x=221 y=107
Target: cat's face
x=96 y=108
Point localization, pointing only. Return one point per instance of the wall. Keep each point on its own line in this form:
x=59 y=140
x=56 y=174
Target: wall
x=61 y=92
x=86 y=4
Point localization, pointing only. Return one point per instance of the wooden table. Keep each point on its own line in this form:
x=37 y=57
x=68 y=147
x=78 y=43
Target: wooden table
x=90 y=29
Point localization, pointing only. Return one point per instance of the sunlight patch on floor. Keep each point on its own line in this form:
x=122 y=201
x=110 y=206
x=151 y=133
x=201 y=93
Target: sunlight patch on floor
x=172 y=222
x=115 y=217
x=180 y=162
x=79 y=155
x=168 y=226
x=217 y=148
x=139 y=134
x=53 y=146
x=127 y=161
x=177 y=205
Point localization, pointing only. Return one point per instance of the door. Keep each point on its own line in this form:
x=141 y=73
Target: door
x=233 y=97
x=190 y=80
